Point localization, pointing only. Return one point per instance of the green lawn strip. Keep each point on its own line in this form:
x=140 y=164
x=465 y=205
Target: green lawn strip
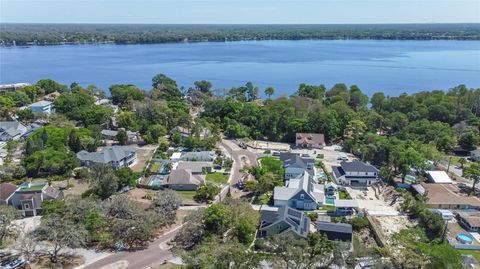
x=328 y=207
x=474 y=253
x=187 y=194
x=217 y=178
x=343 y=195
x=155 y=166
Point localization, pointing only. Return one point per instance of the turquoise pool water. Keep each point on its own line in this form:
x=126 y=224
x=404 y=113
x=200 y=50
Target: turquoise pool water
x=330 y=201
x=465 y=238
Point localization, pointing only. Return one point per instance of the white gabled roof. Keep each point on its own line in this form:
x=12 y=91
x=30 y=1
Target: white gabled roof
x=176 y=155
x=439 y=177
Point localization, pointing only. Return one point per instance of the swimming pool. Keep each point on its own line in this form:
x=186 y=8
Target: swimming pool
x=465 y=238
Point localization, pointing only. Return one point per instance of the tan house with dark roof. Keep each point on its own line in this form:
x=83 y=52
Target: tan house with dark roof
x=309 y=140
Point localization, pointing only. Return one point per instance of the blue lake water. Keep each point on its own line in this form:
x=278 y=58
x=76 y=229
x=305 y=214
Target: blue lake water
x=393 y=67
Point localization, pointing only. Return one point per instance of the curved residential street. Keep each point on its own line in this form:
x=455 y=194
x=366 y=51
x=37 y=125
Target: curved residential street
x=158 y=250
x=241 y=157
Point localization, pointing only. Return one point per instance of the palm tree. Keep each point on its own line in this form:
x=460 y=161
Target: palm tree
x=168 y=167
x=462 y=162
x=473 y=172
x=269 y=91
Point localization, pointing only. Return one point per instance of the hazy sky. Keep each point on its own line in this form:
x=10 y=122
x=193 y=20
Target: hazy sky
x=239 y=11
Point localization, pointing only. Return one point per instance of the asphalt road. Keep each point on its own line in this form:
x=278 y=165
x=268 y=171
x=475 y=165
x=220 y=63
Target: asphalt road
x=158 y=250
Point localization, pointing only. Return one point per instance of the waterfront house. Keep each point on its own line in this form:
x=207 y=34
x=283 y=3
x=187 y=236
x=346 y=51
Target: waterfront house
x=115 y=156
x=41 y=107
x=300 y=193
x=355 y=174
x=335 y=231
x=284 y=220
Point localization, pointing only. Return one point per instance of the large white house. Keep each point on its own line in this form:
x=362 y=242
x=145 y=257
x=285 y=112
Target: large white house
x=42 y=107
x=300 y=193
x=355 y=174
x=116 y=157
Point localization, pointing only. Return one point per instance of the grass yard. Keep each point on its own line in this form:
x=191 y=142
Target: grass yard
x=328 y=207
x=474 y=253
x=154 y=167
x=187 y=194
x=343 y=195
x=217 y=178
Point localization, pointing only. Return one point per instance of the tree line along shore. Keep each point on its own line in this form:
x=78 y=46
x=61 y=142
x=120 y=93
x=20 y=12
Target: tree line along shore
x=56 y=34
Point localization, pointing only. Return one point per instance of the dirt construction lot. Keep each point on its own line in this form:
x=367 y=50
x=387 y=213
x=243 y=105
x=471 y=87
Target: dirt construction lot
x=384 y=201
x=144 y=154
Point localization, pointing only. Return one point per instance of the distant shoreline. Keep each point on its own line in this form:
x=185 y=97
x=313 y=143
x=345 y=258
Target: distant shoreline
x=82 y=34
x=219 y=41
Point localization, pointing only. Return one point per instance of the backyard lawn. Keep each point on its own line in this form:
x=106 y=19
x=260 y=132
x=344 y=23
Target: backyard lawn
x=344 y=195
x=217 y=178
x=328 y=207
x=187 y=194
x=154 y=167
x=474 y=253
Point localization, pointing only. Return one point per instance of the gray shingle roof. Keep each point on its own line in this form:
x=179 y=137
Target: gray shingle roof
x=107 y=155
x=357 y=166
x=337 y=171
x=9 y=129
x=292 y=159
x=333 y=227
x=299 y=223
x=302 y=183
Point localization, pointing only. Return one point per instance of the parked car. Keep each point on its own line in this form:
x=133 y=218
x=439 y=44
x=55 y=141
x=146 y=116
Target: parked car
x=240 y=185
x=13 y=263
x=276 y=153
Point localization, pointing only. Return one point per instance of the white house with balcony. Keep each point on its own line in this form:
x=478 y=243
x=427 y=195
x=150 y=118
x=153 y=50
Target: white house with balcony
x=355 y=174
x=42 y=107
x=300 y=193
x=115 y=156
